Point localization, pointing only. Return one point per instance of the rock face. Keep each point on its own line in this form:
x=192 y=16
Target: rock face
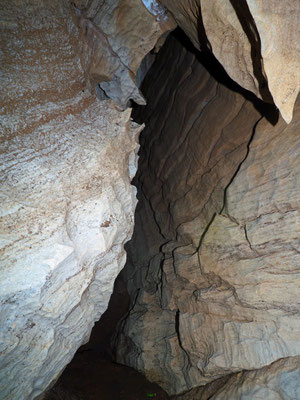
x=277 y=381
x=66 y=200
x=213 y=267
x=115 y=37
x=256 y=42
x=280 y=49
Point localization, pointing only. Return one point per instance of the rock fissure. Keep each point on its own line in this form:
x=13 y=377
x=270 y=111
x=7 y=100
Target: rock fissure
x=220 y=308
x=240 y=165
x=207 y=303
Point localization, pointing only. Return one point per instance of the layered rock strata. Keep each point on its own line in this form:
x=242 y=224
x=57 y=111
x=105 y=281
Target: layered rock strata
x=213 y=266
x=67 y=203
x=256 y=42
x=278 y=381
x=66 y=200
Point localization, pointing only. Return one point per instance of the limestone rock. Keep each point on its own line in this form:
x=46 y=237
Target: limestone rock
x=253 y=247
x=256 y=42
x=213 y=265
x=278 y=27
x=190 y=154
x=215 y=283
x=115 y=37
x=278 y=381
x=66 y=200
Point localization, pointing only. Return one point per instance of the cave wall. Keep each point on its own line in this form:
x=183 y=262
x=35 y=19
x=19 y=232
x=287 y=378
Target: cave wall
x=213 y=265
x=67 y=159
x=116 y=35
x=280 y=380
x=67 y=162
x=257 y=43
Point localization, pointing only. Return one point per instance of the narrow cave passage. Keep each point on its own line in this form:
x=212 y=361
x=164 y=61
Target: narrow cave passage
x=199 y=124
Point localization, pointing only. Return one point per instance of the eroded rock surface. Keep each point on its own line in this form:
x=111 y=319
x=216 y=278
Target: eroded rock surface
x=278 y=381
x=212 y=277
x=256 y=42
x=115 y=37
x=213 y=268
x=66 y=200
x=278 y=28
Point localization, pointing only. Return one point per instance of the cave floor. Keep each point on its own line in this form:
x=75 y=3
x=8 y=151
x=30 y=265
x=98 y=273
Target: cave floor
x=89 y=377
x=92 y=375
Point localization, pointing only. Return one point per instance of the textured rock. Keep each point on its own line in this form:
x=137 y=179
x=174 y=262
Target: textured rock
x=223 y=34
x=280 y=49
x=214 y=278
x=278 y=381
x=190 y=154
x=253 y=247
x=66 y=200
x=115 y=37
x=256 y=42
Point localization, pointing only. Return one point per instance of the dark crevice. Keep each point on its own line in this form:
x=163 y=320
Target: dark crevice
x=239 y=167
x=177 y=316
x=186 y=355
x=265 y=107
x=202 y=37
x=215 y=68
x=148 y=263
x=245 y=17
x=203 y=236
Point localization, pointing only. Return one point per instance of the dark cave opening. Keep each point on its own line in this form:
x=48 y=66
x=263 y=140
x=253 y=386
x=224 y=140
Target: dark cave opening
x=215 y=68
x=96 y=371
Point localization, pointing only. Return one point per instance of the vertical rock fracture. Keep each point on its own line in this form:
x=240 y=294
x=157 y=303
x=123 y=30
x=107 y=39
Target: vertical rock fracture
x=213 y=265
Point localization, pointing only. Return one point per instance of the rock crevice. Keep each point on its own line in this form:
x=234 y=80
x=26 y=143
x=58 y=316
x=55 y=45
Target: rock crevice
x=213 y=265
x=212 y=184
